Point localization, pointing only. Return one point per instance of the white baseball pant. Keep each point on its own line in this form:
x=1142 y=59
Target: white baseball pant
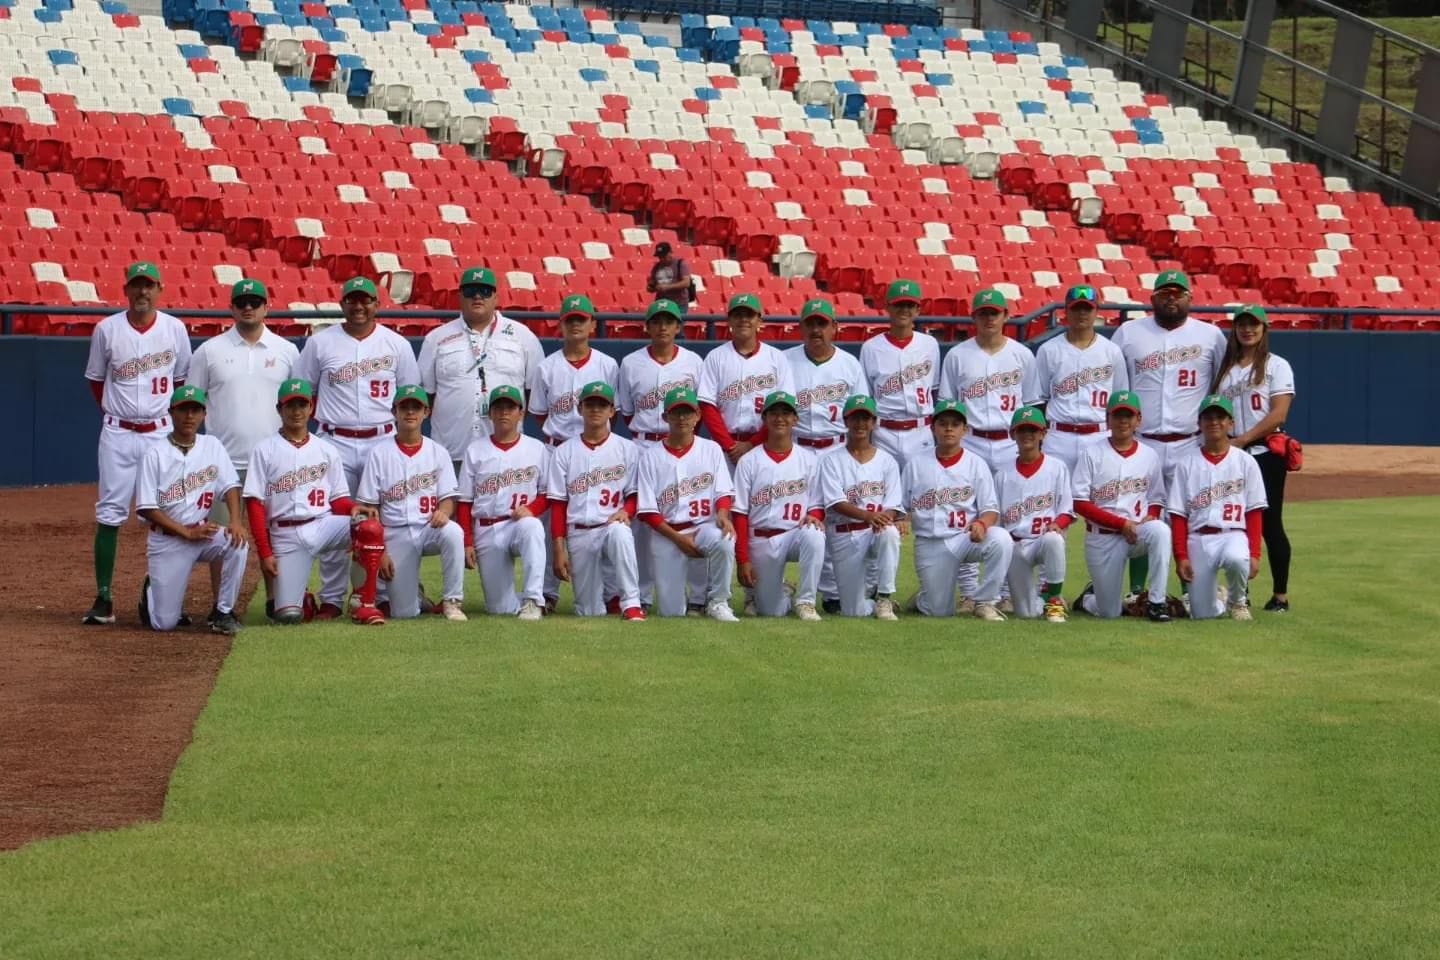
x=644 y=535
x=168 y=561
x=996 y=454
x=1210 y=555
x=354 y=452
x=326 y=537
x=853 y=551
x=496 y=547
x=938 y=558
x=1045 y=553
x=1105 y=556
x=596 y=555
x=119 y=454
x=804 y=544
x=903 y=445
x=1067 y=447
x=1171 y=453
x=672 y=568
x=406 y=545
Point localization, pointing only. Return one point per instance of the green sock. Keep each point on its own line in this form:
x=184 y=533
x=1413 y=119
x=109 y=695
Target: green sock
x=106 y=542
x=1139 y=573
x=1053 y=589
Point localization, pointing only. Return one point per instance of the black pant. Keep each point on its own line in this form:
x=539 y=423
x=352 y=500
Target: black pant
x=1277 y=544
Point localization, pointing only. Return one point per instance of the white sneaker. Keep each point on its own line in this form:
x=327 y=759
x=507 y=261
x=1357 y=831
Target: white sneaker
x=806 y=612
x=720 y=610
x=1240 y=611
x=529 y=610
x=987 y=611
x=885 y=609
x=451 y=610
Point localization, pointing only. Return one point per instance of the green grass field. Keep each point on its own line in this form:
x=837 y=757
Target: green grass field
x=688 y=789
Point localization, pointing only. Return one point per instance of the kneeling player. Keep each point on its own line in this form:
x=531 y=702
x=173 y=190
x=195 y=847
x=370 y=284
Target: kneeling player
x=502 y=484
x=1217 y=504
x=1119 y=489
x=299 y=508
x=950 y=498
x=860 y=487
x=685 y=498
x=778 y=516
x=178 y=485
x=1033 y=491
x=408 y=483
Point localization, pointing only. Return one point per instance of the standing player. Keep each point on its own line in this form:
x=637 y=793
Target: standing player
x=409 y=485
x=592 y=497
x=950 y=498
x=137 y=359
x=902 y=369
x=463 y=361
x=1216 y=502
x=1262 y=386
x=1033 y=492
x=685 y=496
x=735 y=379
x=1075 y=376
x=860 y=487
x=990 y=374
x=555 y=390
x=178 y=486
x=778 y=516
x=1120 y=491
x=502 y=497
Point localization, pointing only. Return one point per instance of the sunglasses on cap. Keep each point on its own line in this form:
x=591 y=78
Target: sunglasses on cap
x=472 y=290
x=248 y=303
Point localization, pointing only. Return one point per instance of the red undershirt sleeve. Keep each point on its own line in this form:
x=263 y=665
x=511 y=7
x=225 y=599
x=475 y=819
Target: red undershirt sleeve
x=715 y=424
x=725 y=503
x=97 y=389
x=1063 y=521
x=818 y=513
x=539 y=505
x=559 y=522
x=1098 y=516
x=742 y=538
x=1254 y=521
x=465 y=518
x=342 y=506
x=1180 y=536
x=1154 y=512
x=654 y=519
x=259 y=525
x=632 y=503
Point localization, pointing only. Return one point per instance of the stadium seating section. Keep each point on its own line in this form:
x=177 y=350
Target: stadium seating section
x=305 y=142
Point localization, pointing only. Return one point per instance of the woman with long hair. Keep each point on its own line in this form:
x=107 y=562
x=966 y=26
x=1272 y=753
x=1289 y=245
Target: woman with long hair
x=1262 y=386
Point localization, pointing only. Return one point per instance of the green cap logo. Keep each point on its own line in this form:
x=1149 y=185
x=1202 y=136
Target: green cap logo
x=681 y=397
x=248 y=288
x=188 y=394
x=988 y=299
x=1028 y=417
x=598 y=388
x=1214 y=400
x=142 y=268
x=817 y=307
x=1123 y=400
x=902 y=291
x=507 y=391
x=662 y=308
x=779 y=398
x=412 y=391
x=290 y=389
x=576 y=305
x=859 y=403
x=951 y=406
x=744 y=301
x=359 y=285
x=478 y=276
x=1252 y=310
x=1084 y=293
x=1172 y=278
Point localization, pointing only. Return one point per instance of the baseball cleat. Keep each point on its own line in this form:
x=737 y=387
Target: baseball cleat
x=529 y=610
x=144 y=606
x=1055 y=610
x=430 y=606
x=988 y=611
x=1185 y=601
x=1128 y=599
x=225 y=624
x=806 y=612
x=270 y=610
x=1240 y=610
x=1079 y=605
x=102 y=611
x=695 y=610
x=885 y=609
x=830 y=605
x=368 y=616
x=612 y=606
x=1277 y=606
x=966 y=605
x=1158 y=612
x=352 y=605
x=633 y=614
x=210 y=617
x=332 y=611
x=720 y=610
x=548 y=607
x=1006 y=605
x=452 y=612
x=750 y=609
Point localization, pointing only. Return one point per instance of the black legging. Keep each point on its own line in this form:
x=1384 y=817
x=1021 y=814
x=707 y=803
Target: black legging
x=1277 y=544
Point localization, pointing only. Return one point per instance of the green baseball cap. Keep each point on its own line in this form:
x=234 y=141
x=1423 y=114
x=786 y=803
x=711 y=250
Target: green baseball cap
x=1028 y=417
x=411 y=391
x=1082 y=293
x=290 y=389
x=1252 y=310
x=142 y=268
x=817 y=307
x=1217 y=400
x=359 y=285
x=1172 y=278
x=248 y=288
x=577 y=305
x=483 y=276
x=989 y=298
x=681 y=397
x=188 y=394
x=662 y=308
x=902 y=291
x=776 y=398
x=597 y=388
x=1123 y=400
x=508 y=391
x=744 y=301
x=951 y=406
x=859 y=403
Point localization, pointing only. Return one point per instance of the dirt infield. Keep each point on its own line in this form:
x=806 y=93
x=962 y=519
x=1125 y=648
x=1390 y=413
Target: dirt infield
x=93 y=719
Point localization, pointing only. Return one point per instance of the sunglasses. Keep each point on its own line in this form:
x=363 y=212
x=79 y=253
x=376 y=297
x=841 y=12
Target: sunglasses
x=472 y=290
x=248 y=303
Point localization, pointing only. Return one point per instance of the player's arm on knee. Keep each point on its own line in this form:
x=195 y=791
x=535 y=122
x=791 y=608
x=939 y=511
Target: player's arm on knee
x=443 y=513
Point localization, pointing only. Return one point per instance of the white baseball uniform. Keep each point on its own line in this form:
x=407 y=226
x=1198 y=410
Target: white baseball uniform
x=355 y=383
x=992 y=386
x=1075 y=385
x=736 y=385
x=775 y=493
x=408 y=486
x=185 y=486
x=1109 y=488
x=821 y=390
x=1171 y=371
x=555 y=391
x=943 y=497
x=587 y=485
x=903 y=376
x=872 y=486
x=460 y=366
x=1035 y=507
x=686 y=489
x=139 y=370
x=1252 y=400
x=1216 y=498
x=496 y=480
x=296 y=486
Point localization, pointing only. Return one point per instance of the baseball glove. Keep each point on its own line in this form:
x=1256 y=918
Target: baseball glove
x=1139 y=607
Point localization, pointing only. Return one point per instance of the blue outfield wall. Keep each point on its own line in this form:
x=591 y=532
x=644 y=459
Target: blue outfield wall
x=1353 y=387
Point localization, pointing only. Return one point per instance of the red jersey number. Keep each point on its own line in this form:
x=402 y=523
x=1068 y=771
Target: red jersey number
x=159 y=386
x=610 y=498
x=206 y=501
x=958 y=519
x=699 y=508
x=1186 y=377
x=792 y=511
x=316 y=498
x=379 y=389
x=1232 y=511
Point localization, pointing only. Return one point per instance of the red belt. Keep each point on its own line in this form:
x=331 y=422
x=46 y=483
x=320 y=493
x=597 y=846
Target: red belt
x=765 y=533
x=294 y=523
x=1105 y=531
x=490 y=521
x=138 y=426
x=590 y=526
x=990 y=434
x=851 y=527
x=1079 y=427
x=820 y=442
x=646 y=435
x=555 y=441
x=906 y=424
x=1208 y=531
x=682 y=526
x=1169 y=437
x=364 y=434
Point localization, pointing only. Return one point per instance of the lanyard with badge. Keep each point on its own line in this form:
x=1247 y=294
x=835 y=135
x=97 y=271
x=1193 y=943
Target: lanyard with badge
x=480 y=350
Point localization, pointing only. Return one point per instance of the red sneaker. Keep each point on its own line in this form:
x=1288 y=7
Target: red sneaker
x=328 y=611
x=634 y=613
x=368 y=616
x=612 y=606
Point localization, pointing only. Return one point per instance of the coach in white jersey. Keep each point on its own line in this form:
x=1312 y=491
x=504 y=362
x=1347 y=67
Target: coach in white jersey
x=138 y=357
x=1216 y=502
x=989 y=373
x=180 y=480
x=1075 y=376
x=1171 y=358
x=735 y=379
x=463 y=361
x=824 y=378
x=502 y=498
x=1033 y=493
x=555 y=388
x=355 y=367
x=902 y=370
